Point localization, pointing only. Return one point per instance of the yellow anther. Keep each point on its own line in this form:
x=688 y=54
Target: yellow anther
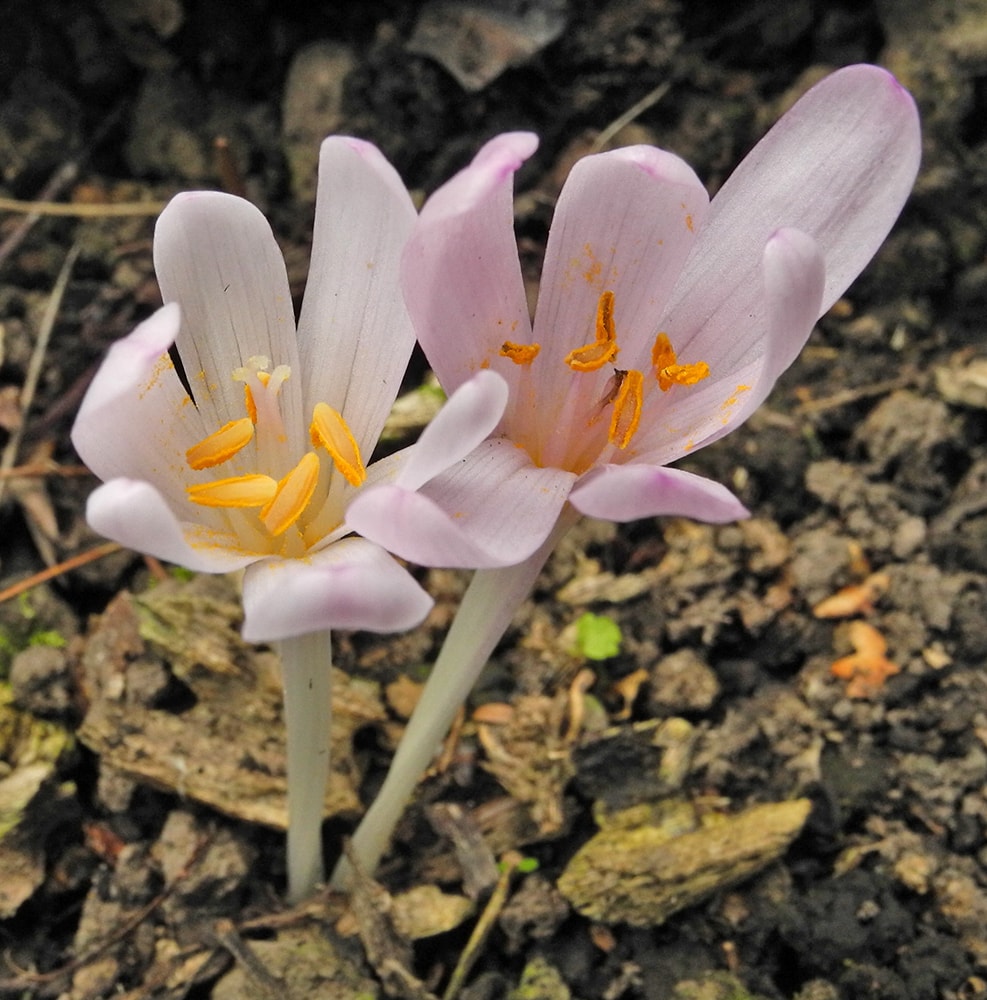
x=591 y=357
x=222 y=445
x=292 y=495
x=239 y=491
x=520 y=354
x=668 y=371
x=329 y=431
x=626 y=408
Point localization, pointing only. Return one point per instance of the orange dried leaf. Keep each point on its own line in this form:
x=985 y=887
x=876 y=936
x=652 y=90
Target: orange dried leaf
x=866 y=669
x=857 y=599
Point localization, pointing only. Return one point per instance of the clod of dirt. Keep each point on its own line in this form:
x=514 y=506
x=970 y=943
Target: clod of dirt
x=642 y=874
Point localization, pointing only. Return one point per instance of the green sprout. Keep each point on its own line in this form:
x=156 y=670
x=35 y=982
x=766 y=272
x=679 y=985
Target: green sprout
x=597 y=637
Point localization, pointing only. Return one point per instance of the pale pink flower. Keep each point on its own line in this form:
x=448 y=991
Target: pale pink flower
x=663 y=320
x=662 y=323
x=257 y=466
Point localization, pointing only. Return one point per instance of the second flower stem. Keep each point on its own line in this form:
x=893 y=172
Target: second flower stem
x=490 y=602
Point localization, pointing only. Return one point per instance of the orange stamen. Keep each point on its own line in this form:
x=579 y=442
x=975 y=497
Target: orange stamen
x=520 y=354
x=328 y=430
x=292 y=495
x=592 y=357
x=627 y=408
x=668 y=371
x=221 y=445
x=238 y=491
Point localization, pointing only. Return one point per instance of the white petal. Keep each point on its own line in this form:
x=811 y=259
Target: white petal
x=354 y=334
x=216 y=256
x=134 y=514
x=136 y=419
x=352 y=584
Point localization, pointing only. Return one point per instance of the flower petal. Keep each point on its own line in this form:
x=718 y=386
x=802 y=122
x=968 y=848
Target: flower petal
x=216 y=256
x=136 y=419
x=630 y=492
x=352 y=584
x=838 y=166
x=135 y=514
x=624 y=222
x=494 y=508
x=354 y=333
x=791 y=282
x=468 y=417
x=460 y=272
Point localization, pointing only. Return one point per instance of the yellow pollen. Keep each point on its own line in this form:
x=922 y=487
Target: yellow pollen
x=248 y=402
x=626 y=408
x=222 y=445
x=592 y=357
x=668 y=371
x=520 y=354
x=329 y=431
x=239 y=491
x=292 y=495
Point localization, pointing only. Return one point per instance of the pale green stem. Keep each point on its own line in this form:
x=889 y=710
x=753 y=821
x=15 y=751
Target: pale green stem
x=306 y=669
x=489 y=604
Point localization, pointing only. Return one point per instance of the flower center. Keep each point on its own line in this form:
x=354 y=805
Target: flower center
x=275 y=514
x=575 y=440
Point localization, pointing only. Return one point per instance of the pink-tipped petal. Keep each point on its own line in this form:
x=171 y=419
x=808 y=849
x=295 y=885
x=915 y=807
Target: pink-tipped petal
x=468 y=417
x=838 y=166
x=135 y=514
x=352 y=584
x=630 y=492
x=136 y=420
x=460 y=272
x=216 y=256
x=494 y=508
x=354 y=333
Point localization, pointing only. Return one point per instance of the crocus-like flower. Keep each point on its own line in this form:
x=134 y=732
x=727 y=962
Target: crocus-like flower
x=663 y=321
x=249 y=454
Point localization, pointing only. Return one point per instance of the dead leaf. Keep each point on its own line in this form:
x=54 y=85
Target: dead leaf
x=867 y=668
x=857 y=599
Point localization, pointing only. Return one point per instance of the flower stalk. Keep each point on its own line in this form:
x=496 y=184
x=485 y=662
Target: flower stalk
x=306 y=663
x=488 y=606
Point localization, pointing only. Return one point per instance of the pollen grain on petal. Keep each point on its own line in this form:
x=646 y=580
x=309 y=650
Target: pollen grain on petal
x=328 y=430
x=292 y=495
x=627 y=408
x=221 y=445
x=520 y=354
x=237 y=491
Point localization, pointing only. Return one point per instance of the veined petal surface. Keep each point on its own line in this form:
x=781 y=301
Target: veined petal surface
x=461 y=274
x=352 y=584
x=493 y=508
x=354 y=333
x=136 y=419
x=838 y=166
x=216 y=256
x=134 y=513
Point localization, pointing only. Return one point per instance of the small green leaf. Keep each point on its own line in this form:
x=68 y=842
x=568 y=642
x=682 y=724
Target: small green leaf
x=597 y=636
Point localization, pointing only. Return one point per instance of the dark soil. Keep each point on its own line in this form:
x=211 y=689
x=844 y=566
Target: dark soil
x=139 y=846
